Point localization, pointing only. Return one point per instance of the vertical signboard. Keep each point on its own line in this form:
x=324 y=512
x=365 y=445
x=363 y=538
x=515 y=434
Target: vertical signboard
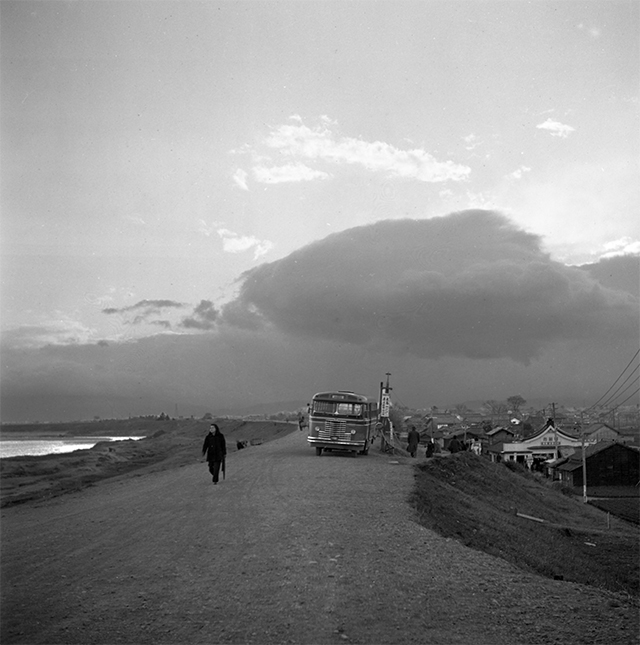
x=384 y=406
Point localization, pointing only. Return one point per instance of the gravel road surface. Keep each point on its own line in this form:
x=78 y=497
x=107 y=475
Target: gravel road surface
x=290 y=548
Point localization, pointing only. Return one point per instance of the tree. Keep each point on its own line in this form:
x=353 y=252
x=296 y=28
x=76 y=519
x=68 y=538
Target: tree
x=397 y=418
x=516 y=402
x=461 y=409
x=495 y=407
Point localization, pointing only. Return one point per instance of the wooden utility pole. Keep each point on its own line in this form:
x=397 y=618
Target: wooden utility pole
x=555 y=429
x=384 y=415
x=584 y=462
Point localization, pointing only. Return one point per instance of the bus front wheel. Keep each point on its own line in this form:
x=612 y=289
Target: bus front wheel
x=318 y=451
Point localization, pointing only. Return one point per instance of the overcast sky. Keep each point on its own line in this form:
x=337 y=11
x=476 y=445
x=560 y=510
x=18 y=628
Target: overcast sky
x=228 y=203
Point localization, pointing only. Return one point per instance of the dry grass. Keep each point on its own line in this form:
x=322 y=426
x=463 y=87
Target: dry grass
x=475 y=501
x=167 y=444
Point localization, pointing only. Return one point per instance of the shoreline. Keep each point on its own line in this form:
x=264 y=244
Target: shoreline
x=30 y=478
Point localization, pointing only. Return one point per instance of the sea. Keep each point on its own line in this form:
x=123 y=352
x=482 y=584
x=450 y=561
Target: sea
x=50 y=446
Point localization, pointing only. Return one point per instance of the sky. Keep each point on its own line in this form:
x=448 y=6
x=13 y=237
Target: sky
x=212 y=205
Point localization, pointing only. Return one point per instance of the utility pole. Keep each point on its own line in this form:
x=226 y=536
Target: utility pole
x=584 y=462
x=384 y=411
x=387 y=390
x=555 y=429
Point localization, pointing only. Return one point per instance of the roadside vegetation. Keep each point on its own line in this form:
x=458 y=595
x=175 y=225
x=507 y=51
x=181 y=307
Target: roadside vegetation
x=481 y=504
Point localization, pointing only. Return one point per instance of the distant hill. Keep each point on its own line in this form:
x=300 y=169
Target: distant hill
x=263 y=408
x=70 y=408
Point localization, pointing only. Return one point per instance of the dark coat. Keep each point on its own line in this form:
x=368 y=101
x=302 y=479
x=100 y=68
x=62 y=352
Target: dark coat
x=414 y=439
x=215 y=446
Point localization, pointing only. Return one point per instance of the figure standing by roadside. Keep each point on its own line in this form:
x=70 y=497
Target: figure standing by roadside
x=430 y=449
x=414 y=439
x=215 y=447
x=455 y=445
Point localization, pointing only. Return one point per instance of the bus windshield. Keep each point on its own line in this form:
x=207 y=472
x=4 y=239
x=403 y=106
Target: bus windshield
x=337 y=408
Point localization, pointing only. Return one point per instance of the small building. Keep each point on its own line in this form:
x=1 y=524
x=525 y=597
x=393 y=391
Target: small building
x=549 y=443
x=499 y=435
x=608 y=464
x=445 y=421
x=601 y=432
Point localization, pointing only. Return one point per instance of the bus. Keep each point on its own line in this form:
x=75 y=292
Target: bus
x=342 y=420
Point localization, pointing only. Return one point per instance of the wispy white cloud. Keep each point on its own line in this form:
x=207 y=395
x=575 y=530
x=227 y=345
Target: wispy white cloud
x=301 y=146
x=621 y=246
x=556 y=129
x=517 y=174
x=240 y=179
x=328 y=121
x=319 y=144
x=207 y=229
x=287 y=173
x=234 y=243
x=592 y=30
x=471 y=142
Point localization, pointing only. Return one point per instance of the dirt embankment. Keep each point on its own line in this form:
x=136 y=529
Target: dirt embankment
x=166 y=443
x=290 y=548
x=490 y=507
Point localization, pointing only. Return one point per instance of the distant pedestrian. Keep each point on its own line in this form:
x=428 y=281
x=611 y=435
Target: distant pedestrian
x=455 y=445
x=414 y=439
x=215 y=448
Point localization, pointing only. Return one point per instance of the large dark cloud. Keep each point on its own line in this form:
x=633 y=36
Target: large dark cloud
x=471 y=284
x=621 y=273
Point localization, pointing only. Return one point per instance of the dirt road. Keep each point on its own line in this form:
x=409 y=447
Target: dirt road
x=291 y=548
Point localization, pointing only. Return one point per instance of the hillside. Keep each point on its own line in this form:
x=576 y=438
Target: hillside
x=475 y=501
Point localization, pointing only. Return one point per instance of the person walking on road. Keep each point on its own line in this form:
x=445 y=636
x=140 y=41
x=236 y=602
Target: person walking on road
x=414 y=439
x=215 y=447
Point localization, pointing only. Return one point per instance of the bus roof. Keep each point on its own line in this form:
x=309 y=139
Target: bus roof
x=341 y=395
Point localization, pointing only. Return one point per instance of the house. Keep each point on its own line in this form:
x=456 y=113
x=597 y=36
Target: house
x=607 y=464
x=501 y=434
x=601 y=432
x=549 y=443
x=468 y=433
x=445 y=420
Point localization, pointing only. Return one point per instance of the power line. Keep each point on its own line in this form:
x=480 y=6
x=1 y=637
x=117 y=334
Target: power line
x=630 y=396
x=610 y=400
x=614 y=383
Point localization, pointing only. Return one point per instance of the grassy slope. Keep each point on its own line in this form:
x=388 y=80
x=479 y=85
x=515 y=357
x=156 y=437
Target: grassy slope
x=475 y=501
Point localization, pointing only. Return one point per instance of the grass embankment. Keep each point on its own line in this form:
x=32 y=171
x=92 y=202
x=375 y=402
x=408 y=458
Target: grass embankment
x=476 y=502
x=167 y=444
